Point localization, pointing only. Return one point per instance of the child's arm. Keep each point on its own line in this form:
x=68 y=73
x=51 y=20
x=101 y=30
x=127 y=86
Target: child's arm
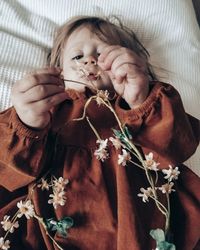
x=128 y=73
x=35 y=95
x=160 y=125
x=158 y=120
x=22 y=151
x=24 y=128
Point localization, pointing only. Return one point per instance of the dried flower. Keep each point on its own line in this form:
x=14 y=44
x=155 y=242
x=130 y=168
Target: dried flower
x=102 y=95
x=167 y=188
x=171 y=173
x=4 y=245
x=44 y=184
x=25 y=208
x=101 y=154
x=102 y=144
x=7 y=225
x=116 y=142
x=59 y=184
x=122 y=159
x=58 y=198
x=150 y=163
x=146 y=193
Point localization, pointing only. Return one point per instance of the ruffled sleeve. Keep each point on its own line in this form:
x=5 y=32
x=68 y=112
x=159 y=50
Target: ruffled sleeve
x=21 y=151
x=160 y=125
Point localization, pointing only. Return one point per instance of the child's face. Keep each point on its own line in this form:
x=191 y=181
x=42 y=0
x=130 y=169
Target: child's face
x=80 y=58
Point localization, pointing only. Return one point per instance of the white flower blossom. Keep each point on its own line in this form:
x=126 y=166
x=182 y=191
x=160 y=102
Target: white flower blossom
x=145 y=194
x=7 y=225
x=60 y=183
x=171 y=173
x=4 y=245
x=102 y=144
x=116 y=142
x=44 y=184
x=102 y=95
x=150 y=163
x=58 y=198
x=25 y=208
x=101 y=154
x=167 y=188
x=122 y=159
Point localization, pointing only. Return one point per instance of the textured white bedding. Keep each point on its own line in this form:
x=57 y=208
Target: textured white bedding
x=167 y=28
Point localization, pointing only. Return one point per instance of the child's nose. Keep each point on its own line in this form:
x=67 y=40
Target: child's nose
x=90 y=60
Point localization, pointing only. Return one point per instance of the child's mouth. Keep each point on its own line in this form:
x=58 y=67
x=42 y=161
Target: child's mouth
x=92 y=77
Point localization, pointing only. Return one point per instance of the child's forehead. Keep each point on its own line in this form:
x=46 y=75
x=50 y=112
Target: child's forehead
x=82 y=35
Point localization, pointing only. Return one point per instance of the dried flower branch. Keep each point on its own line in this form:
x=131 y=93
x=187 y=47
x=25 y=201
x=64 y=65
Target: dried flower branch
x=121 y=140
x=26 y=208
x=147 y=164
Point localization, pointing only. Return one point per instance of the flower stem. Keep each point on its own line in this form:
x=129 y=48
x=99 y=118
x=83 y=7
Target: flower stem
x=41 y=221
x=93 y=128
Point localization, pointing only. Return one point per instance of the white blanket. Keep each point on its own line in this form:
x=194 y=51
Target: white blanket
x=167 y=28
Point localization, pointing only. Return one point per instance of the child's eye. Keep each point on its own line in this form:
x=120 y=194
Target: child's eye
x=98 y=54
x=77 y=57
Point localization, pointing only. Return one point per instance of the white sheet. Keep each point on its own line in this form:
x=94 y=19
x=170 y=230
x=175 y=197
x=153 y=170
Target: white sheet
x=167 y=28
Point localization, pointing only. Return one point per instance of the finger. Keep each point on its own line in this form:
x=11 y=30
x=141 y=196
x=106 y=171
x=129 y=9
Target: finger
x=47 y=70
x=110 y=58
x=127 y=59
x=127 y=72
x=31 y=81
x=40 y=92
x=117 y=55
x=106 y=51
x=46 y=104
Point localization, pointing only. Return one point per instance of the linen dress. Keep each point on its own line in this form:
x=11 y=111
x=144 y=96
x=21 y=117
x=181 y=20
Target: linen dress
x=102 y=196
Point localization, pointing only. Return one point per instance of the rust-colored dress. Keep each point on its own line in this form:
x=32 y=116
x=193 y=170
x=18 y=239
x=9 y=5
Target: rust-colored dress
x=101 y=196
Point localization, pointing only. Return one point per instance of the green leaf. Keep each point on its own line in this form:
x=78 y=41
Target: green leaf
x=164 y=245
x=66 y=222
x=60 y=226
x=117 y=133
x=121 y=136
x=157 y=234
x=127 y=132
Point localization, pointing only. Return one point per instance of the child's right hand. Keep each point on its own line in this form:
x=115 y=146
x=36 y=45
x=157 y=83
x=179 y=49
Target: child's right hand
x=35 y=94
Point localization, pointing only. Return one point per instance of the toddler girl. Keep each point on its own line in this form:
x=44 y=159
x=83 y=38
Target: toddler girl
x=92 y=151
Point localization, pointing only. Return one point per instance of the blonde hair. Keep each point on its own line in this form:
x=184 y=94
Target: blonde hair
x=105 y=30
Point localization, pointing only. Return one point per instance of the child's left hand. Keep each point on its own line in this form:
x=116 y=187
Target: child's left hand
x=127 y=72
